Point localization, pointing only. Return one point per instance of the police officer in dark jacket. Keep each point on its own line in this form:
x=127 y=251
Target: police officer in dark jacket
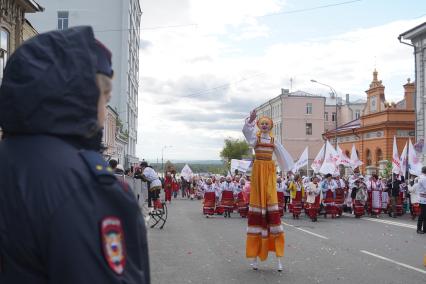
x=64 y=217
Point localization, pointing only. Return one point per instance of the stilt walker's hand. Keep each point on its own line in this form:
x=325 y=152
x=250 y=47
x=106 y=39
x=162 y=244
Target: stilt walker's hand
x=252 y=116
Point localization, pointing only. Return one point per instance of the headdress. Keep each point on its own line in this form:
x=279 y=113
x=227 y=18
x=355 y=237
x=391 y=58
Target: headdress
x=270 y=122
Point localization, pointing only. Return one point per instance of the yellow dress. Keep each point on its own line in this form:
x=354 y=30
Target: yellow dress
x=265 y=232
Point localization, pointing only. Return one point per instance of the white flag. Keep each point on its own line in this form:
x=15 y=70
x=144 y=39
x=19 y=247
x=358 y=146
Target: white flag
x=355 y=161
x=414 y=164
x=303 y=161
x=396 y=161
x=316 y=164
x=240 y=165
x=403 y=160
x=330 y=160
x=342 y=158
x=186 y=172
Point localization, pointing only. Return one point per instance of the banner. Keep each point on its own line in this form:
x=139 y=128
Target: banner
x=403 y=160
x=329 y=165
x=240 y=165
x=414 y=164
x=316 y=164
x=396 y=161
x=342 y=158
x=186 y=172
x=355 y=161
x=303 y=160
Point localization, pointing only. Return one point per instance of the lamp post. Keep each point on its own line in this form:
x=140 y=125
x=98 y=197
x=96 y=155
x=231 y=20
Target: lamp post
x=335 y=95
x=162 y=156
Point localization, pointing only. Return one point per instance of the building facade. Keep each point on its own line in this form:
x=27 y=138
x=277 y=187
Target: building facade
x=417 y=36
x=14 y=27
x=117 y=25
x=373 y=132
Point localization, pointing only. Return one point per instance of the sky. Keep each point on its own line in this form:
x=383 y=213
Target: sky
x=204 y=64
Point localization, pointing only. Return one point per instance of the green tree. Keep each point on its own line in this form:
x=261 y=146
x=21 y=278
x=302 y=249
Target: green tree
x=234 y=149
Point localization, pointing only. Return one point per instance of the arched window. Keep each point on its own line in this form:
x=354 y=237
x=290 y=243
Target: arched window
x=368 y=157
x=4 y=49
x=379 y=155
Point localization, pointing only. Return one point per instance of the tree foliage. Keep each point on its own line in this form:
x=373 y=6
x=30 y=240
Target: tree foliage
x=234 y=149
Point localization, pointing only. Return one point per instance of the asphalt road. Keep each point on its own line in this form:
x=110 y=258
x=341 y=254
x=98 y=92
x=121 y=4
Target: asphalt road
x=195 y=249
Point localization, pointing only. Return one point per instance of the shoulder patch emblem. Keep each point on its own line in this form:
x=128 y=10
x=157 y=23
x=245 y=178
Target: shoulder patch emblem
x=113 y=244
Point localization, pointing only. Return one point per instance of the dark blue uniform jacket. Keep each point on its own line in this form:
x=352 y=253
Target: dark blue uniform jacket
x=55 y=189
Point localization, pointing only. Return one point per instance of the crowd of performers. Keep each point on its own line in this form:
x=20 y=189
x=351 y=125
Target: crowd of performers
x=327 y=195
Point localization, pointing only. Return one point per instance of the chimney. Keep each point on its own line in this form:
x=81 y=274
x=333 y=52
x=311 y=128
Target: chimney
x=409 y=90
x=347 y=98
x=284 y=91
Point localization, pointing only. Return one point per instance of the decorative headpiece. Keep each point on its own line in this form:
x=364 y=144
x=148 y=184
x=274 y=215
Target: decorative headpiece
x=267 y=119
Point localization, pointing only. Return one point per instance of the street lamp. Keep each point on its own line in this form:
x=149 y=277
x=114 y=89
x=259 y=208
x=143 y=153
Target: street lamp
x=162 y=156
x=335 y=95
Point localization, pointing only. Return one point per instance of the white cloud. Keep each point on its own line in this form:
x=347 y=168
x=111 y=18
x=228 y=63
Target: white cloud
x=187 y=61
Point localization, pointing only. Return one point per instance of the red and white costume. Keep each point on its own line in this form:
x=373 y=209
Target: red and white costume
x=168 y=186
x=313 y=197
x=328 y=189
x=209 y=203
x=340 y=195
x=375 y=189
x=281 y=188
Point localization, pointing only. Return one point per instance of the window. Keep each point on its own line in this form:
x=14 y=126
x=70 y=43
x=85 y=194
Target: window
x=368 y=157
x=379 y=155
x=308 y=108
x=326 y=116
x=357 y=114
x=333 y=116
x=4 y=49
x=63 y=20
x=308 y=128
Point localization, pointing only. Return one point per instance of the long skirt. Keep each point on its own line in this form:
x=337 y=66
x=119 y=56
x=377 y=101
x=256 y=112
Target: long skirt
x=296 y=204
x=209 y=203
x=227 y=200
x=168 y=194
x=242 y=205
x=280 y=196
x=376 y=202
x=312 y=209
x=339 y=200
x=359 y=209
x=330 y=207
x=385 y=201
x=264 y=232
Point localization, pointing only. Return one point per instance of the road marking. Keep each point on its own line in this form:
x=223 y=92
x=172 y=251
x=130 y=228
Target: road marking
x=388 y=222
x=306 y=231
x=394 y=261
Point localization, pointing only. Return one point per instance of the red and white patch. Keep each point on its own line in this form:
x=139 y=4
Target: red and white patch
x=113 y=244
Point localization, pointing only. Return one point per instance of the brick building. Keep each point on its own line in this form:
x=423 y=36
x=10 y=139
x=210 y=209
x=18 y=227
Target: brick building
x=380 y=121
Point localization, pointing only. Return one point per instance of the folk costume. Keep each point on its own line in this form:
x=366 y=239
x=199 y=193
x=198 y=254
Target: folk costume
x=313 y=197
x=297 y=194
x=375 y=189
x=328 y=190
x=340 y=195
x=227 y=197
x=240 y=200
x=265 y=232
x=209 y=203
x=168 y=187
x=281 y=188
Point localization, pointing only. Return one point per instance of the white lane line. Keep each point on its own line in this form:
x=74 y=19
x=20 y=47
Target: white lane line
x=388 y=222
x=306 y=231
x=394 y=261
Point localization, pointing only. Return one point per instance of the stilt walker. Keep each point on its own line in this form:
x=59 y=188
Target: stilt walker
x=264 y=232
